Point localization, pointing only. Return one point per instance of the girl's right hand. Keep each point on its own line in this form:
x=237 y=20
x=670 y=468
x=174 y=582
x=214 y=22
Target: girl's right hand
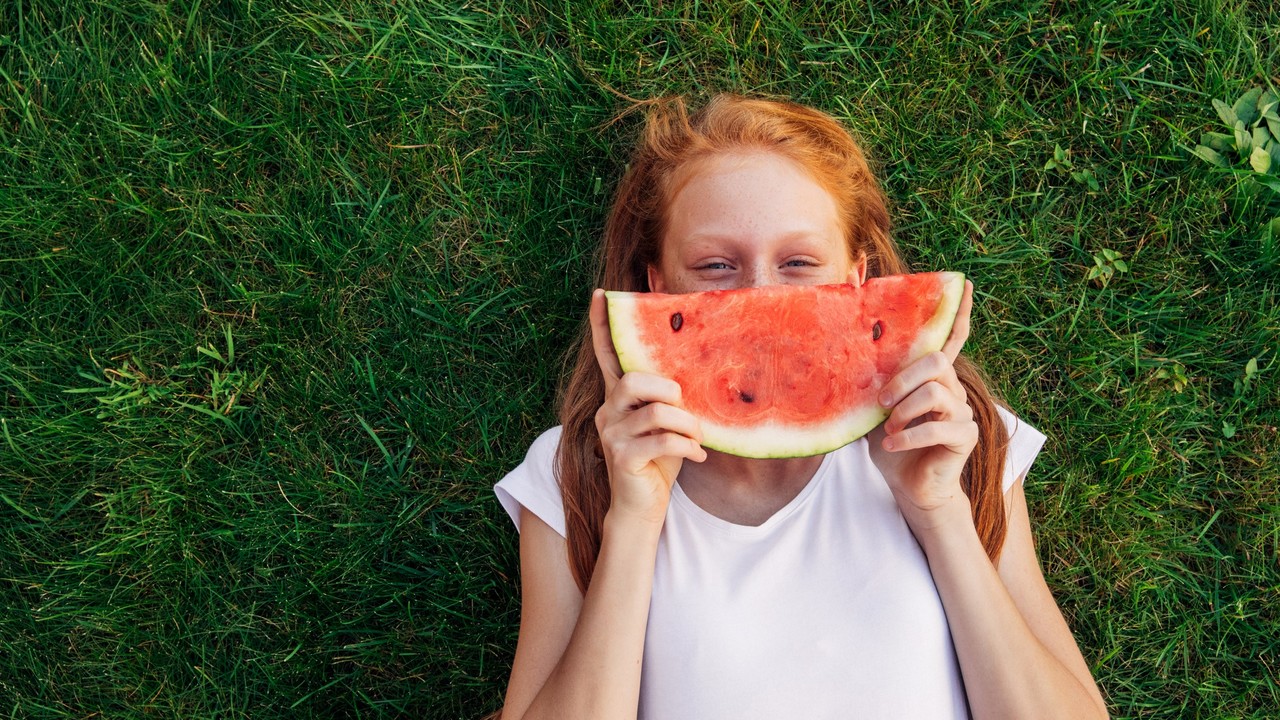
x=644 y=429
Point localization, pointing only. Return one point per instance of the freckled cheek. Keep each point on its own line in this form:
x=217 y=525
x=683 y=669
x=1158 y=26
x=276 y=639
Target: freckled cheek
x=679 y=281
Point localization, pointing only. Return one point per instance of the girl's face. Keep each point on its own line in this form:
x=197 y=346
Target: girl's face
x=748 y=219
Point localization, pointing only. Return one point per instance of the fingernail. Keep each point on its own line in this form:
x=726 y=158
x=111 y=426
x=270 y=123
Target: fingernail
x=886 y=398
x=888 y=443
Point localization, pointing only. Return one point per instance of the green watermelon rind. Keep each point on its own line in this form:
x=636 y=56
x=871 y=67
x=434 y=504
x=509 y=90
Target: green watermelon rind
x=776 y=440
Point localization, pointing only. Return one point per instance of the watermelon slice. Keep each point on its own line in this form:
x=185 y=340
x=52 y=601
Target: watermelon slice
x=786 y=370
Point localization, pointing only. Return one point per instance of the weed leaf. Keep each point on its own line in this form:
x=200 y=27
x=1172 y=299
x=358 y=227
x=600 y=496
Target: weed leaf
x=1267 y=102
x=1270 y=181
x=1260 y=137
x=1211 y=156
x=1221 y=142
x=1224 y=112
x=1260 y=160
x=1246 y=108
x=1244 y=140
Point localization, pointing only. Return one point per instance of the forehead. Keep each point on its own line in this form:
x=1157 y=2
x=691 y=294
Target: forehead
x=750 y=197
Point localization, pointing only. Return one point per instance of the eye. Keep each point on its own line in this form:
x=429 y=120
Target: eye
x=792 y=263
x=714 y=266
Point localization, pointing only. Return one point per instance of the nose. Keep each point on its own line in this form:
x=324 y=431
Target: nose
x=759 y=275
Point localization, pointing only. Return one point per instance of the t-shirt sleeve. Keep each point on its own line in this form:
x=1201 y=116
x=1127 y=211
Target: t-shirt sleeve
x=532 y=484
x=1024 y=445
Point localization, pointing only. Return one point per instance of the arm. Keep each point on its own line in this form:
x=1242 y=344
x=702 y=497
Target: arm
x=1016 y=653
x=576 y=656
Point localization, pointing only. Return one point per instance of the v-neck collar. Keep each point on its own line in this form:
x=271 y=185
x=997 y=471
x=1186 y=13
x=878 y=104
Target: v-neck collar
x=684 y=502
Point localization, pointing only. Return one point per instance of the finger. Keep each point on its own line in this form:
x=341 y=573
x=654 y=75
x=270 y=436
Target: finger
x=636 y=389
x=659 y=417
x=932 y=397
x=960 y=330
x=935 y=366
x=958 y=436
x=602 y=341
x=643 y=450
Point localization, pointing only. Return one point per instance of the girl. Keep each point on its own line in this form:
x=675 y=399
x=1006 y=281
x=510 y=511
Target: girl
x=894 y=577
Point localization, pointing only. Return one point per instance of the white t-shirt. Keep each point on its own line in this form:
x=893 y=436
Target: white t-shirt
x=826 y=610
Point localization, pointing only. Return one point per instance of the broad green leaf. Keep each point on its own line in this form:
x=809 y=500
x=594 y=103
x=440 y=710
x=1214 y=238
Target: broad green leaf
x=1251 y=368
x=1269 y=180
x=1260 y=160
x=1275 y=155
x=1228 y=430
x=1246 y=108
x=1210 y=156
x=1228 y=116
x=1244 y=140
x=1273 y=124
x=1260 y=137
x=1221 y=142
x=1274 y=227
x=1268 y=112
x=1122 y=266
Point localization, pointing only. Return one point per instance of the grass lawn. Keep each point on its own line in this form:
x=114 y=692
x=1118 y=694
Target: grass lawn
x=285 y=288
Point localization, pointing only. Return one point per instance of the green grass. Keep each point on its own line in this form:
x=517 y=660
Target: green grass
x=284 y=288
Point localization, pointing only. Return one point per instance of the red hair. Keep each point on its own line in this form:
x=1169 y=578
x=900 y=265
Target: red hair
x=671 y=140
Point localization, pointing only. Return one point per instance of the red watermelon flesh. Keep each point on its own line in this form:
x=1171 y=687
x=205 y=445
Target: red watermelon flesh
x=786 y=370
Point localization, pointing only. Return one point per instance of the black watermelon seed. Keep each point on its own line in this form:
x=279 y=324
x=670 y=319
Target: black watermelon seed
x=876 y=331
x=746 y=397
x=677 y=321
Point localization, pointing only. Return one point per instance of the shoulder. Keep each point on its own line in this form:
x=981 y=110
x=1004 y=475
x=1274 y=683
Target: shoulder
x=1025 y=442
x=533 y=485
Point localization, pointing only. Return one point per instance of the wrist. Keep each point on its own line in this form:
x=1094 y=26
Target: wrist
x=950 y=520
x=633 y=528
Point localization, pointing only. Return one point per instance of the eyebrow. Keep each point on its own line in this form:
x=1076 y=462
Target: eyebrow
x=803 y=235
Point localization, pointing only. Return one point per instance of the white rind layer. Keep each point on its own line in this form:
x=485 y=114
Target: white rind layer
x=776 y=440
x=633 y=355
x=781 y=441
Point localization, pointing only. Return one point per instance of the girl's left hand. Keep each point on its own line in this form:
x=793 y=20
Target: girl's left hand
x=930 y=432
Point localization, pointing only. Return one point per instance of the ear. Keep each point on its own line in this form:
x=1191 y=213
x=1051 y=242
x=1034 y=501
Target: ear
x=858 y=271
x=655 y=280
